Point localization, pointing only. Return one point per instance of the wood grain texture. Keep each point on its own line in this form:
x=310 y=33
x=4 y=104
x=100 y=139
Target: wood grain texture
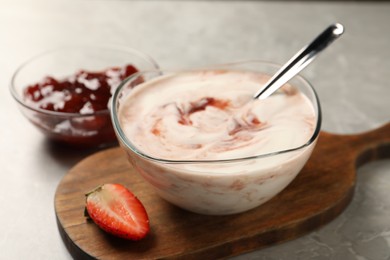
x=320 y=192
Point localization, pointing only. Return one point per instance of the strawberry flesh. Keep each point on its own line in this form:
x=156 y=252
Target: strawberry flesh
x=117 y=211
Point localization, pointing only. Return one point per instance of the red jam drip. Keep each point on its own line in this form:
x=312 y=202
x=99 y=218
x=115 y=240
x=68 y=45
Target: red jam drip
x=85 y=92
x=253 y=125
x=249 y=123
x=207 y=101
x=201 y=105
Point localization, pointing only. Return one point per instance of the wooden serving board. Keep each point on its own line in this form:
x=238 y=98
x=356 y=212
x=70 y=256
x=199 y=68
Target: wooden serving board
x=320 y=192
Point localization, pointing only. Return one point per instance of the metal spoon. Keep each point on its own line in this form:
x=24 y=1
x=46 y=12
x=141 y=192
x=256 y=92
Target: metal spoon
x=300 y=60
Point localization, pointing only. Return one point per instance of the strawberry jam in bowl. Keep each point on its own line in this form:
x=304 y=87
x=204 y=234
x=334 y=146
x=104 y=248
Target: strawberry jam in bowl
x=66 y=92
x=201 y=140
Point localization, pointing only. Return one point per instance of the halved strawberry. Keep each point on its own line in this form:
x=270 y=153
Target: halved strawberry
x=117 y=211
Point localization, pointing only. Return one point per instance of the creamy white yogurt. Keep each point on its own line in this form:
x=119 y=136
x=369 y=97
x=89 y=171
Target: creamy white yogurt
x=212 y=115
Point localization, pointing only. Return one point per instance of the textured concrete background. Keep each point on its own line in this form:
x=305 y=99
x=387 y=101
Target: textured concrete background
x=351 y=78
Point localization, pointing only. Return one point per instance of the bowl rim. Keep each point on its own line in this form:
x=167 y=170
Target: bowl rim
x=124 y=140
x=19 y=98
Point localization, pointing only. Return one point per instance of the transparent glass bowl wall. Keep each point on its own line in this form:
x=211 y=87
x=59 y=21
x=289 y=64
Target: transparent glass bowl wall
x=228 y=189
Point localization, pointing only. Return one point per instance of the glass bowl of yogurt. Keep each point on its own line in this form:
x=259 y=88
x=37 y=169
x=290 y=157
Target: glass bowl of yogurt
x=204 y=144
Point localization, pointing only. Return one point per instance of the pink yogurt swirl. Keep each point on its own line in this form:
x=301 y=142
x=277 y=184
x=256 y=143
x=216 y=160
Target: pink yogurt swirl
x=209 y=115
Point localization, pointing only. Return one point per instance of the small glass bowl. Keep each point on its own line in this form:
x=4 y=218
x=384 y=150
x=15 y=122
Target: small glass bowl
x=74 y=129
x=219 y=187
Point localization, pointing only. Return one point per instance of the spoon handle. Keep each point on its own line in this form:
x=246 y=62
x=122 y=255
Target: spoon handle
x=300 y=60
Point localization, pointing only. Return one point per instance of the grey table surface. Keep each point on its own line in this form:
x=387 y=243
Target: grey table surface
x=351 y=80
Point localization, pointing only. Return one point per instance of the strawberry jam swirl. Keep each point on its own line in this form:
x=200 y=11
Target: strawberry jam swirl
x=212 y=115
